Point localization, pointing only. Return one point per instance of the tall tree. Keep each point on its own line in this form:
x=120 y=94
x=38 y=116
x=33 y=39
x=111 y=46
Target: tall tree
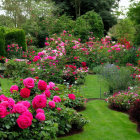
x=76 y=8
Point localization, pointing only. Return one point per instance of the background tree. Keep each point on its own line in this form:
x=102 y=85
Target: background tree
x=76 y=8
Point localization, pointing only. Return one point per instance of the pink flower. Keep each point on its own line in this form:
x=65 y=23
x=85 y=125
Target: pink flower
x=109 y=50
x=118 y=49
x=19 y=108
x=36 y=58
x=51 y=104
x=14 y=88
x=25 y=93
x=40 y=116
x=56 y=99
x=58 y=108
x=39 y=101
x=47 y=93
x=39 y=110
x=24 y=121
x=42 y=85
x=5 y=103
x=29 y=83
x=40 y=53
x=47 y=44
x=51 y=84
x=71 y=96
x=3 y=111
x=26 y=103
x=29 y=114
x=11 y=102
x=3 y=98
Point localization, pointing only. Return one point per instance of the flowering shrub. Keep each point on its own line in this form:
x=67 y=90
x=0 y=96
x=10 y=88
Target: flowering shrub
x=122 y=101
x=37 y=102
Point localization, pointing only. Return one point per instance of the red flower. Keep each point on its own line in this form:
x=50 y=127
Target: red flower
x=25 y=93
x=42 y=85
x=71 y=96
x=84 y=64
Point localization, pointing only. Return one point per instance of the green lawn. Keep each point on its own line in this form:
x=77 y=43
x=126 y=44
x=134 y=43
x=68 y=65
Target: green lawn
x=105 y=124
x=92 y=87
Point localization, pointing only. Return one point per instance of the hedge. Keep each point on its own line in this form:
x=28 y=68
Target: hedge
x=2 y=43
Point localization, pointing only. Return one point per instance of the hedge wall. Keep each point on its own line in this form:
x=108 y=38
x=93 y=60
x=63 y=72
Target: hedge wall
x=2 y=43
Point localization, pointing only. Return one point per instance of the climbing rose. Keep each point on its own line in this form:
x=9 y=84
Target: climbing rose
x=3 y=111
x=56 y=99
x=29 y=83
x=24 y=121
x=51 y=104
x=40 y=116
x=39 y=101
x=42 y=85
x=25 y=93
x=13 y=88
x=39 y=110
x=71 y=96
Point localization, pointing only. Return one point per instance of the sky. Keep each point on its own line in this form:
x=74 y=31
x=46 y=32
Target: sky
x=123 y=3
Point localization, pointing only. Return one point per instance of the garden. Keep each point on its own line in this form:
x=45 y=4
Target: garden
x=69 y=70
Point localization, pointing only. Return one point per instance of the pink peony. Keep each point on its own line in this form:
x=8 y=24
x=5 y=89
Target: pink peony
x=19 y=108
x=13 y=88
x=39 y=101
x=71 y=96
x=25 y=93
x=47 y=93
x=42 y=85
x=39 y=110
x=51 y=84
x=29 y=83
x=24 y=121
x=40 y=116
x=29 y=114
x=3 y=111
x=51 y=104
x=56 y=99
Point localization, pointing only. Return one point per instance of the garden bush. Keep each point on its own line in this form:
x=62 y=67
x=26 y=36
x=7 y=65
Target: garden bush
x=16 y=36
x=122 y=101
x=33 y=106
x=2 y=44
x=89 y=23
x=135 y=110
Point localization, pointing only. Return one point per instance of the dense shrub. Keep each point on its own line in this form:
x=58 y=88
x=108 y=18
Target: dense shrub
x=88 y=23
x=16 y=36
x=135 y=110
x=122 y=101
x=2 y=44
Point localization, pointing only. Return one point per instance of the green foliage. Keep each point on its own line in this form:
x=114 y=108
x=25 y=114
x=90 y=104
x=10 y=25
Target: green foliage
x=16 y=36
x=124 y=29
x=16 y=69
x=118 y=79
x=122 y=101
x=89 y=22
x=2 y=43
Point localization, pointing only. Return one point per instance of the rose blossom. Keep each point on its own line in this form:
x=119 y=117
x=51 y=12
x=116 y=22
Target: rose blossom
x=39 y=101
x=42 y=85
x=51 y=104
x=29 y=114
x=71 y=96
x=47 y=93
x=51 y=84
x=24 y=121
x=56 y=99
x=19 y=108
x=13 y=88
x=40 y=116
x=3 y=111
x=25 y=93
x=26 y=103
x=39 y=110
x=29 y=83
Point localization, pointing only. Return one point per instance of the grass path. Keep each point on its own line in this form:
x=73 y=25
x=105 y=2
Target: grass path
x=105 y=124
